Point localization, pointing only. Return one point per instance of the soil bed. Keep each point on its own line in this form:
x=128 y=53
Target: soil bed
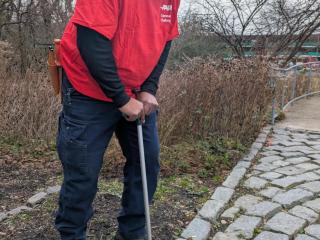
x=177 y=200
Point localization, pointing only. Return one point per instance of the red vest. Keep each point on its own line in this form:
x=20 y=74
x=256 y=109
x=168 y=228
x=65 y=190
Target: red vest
x=138 y=29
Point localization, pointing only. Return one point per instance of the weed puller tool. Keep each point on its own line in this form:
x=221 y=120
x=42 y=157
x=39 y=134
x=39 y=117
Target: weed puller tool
x=143 y=172
x=144 y=178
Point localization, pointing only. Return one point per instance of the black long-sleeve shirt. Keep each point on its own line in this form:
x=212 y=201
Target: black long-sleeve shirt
x=96 y=52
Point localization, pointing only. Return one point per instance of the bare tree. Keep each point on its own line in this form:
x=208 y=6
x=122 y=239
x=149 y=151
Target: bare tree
x=27 y=24
x=276 y=25
x=287 y=24
x=231 y=21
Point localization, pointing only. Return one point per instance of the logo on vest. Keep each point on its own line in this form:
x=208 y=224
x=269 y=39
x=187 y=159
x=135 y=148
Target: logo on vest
x=165 y=14
x=166 y=8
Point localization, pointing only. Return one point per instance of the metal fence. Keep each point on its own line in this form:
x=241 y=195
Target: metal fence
x=292 y=84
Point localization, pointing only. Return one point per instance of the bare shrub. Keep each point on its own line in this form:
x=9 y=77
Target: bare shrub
x=203 y=98
x=214 y=98
x=28 y=108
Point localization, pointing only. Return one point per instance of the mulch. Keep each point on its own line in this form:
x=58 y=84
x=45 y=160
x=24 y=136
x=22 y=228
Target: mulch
x=21 y=179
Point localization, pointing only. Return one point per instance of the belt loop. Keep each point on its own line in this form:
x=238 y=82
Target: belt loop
x=68 y=96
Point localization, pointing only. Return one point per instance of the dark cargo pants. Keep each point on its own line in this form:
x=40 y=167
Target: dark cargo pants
x=85 y=129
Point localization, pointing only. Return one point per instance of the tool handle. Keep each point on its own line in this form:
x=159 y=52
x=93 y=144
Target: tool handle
x=139 y=122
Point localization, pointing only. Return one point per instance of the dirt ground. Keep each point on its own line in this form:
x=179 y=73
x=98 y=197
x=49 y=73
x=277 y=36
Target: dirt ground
x=176 y=202
x=189 y=177
x=168 y=218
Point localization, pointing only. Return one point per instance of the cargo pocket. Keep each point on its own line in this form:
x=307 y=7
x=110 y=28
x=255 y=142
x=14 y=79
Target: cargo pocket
x=73 y=146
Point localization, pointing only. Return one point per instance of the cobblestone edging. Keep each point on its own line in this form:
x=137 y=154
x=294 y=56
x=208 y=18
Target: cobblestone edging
x=31 y=203
x=200 y=227
x=280 y=196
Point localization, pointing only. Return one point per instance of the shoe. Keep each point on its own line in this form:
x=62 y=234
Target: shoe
x=118 y=236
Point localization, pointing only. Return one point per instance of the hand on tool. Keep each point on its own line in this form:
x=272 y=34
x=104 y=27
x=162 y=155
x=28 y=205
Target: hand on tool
x=150 y=103
x=132 y=110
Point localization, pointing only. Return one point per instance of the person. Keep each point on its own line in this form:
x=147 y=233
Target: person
x=112 y=54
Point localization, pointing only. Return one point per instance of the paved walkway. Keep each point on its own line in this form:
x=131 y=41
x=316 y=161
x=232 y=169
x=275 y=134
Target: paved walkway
x=280 y=196
x=305 y=114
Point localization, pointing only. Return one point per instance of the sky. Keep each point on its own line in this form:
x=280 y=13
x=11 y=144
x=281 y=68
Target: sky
x=184 y=4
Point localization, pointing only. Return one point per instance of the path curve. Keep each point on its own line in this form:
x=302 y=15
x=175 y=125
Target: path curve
x=304 y=114
x=278 y=196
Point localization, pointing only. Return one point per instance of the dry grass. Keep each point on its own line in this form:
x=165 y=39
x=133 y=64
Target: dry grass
x=206 y=105
x=203 y=99
x=28 y=108
x=214 y=98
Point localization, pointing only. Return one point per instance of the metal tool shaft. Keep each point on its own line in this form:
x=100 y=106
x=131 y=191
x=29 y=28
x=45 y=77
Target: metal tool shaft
x=144 y=178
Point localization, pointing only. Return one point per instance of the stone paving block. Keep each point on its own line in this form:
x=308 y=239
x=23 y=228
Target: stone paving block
x=292 y=154
x=288 y=181
x=255 y=183
x=270 y=159
x=276 y=148
x=282 y=137
x=18 y=210
x=281 y=163
x=305 y=213
x=226 y=236
x=285 y=223
x=299 y=135
x=257 y=145
x=280 y=131
x=271 y=236
x=230 y=213
x=222 y=194
x=244 y=225
x=311 y=142
x=314 y=135
x=308 y=166
x=53 y=189
x=262 y=137
x=309 y=176
x=37 y=198
x=297 y=160
x=304 y=237
x=271 y=175
x=243 y=164
x=253 y=152
x=311 y=186
x=313 y=204
x=250 y=156
x=303 y=149
x=316 y=161
x=269 y=153
x=264 y=209
x=211 y=210
x=265 y=167
x=198 y=229
x=313 y=230
x=292 y=197
x=315 y=156
x=3 y=216
x=270 y=192
x=256 y=172
x=314 y=138
x=290 y=170
x=246 y=201
x=290 y=143
x=234 y=178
